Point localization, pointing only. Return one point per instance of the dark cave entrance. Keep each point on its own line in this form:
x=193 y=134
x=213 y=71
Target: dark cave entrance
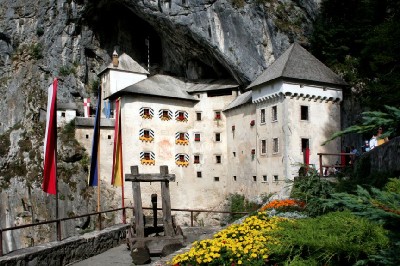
x=119 y=28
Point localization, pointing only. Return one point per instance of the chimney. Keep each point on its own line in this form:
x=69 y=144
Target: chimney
x=115 y=61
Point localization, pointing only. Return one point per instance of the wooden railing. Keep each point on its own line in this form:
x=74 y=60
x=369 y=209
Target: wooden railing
x=58 y=221
x=342 y=161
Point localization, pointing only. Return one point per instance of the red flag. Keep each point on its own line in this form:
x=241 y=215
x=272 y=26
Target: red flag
x=117 y=173
x=50 y=142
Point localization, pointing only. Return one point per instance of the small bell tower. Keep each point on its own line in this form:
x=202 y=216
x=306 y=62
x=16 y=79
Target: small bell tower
x=115 y=60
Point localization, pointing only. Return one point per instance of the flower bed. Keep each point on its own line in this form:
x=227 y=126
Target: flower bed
x=238 y=244
x=284 y=205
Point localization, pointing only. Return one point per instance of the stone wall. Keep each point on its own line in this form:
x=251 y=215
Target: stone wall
x=69 y=250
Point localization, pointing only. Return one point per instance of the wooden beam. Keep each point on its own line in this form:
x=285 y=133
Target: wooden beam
x=166 y=204
x=136 y=177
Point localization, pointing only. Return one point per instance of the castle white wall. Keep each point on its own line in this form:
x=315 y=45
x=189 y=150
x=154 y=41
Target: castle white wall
x=85 y=137
x=188 y=191
x=65 y=116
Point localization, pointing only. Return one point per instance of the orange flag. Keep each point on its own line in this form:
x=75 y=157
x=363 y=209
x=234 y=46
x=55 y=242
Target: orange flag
x=117 y=172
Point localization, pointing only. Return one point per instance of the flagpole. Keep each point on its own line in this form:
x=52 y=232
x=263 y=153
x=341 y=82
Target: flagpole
x=98 y=175
x=58 y=223
x=122 y=169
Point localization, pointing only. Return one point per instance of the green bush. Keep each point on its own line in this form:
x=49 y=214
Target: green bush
x=393 y=185
x=337 y=238
x=238 y=203
x=36 y=51
x=65 y=70
x=310 y=189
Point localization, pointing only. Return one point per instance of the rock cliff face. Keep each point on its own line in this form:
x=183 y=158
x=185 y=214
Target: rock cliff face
x=40 y=40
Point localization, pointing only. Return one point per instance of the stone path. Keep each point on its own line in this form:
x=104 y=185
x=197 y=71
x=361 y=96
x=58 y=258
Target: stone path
x=120 y=256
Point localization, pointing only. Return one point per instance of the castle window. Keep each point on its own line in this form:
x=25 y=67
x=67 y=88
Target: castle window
x=218 y=158
x=146 y=133
x=217 y=136
x=305 y=143
x=263 y=146
x=181 y=158
x=146 y=111
x=234 y=178
x=197 y=137
x=146 y=155
x=276 y=178
x=198 y=116
x=265 y=179
x=262 y=116
x=196 y=159
x=108 y=136
x=274 y=113
x=216 y=179
x=181 y=136
x=304 y=113
x=254 y=178
x=62 y=114
x=275 y=145
x=199 y=175
x=87 y=136
x=181 y=116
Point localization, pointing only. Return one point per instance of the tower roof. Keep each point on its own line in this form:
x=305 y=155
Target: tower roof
x=158 y=85
x=297 y=63
x=126 y=64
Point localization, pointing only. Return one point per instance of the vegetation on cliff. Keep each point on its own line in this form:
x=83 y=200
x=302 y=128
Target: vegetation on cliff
x=359 y=40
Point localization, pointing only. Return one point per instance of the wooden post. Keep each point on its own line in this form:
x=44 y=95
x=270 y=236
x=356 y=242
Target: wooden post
x=166 y=203
x=137 y=196
x=321 y=173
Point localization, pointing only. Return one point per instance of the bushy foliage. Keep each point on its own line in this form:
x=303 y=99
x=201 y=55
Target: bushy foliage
x=238 y=203
x=310 y=188
x=372 y=120
x=337 y=238
x=359 y=40
x=381 y=206
x=376 y=205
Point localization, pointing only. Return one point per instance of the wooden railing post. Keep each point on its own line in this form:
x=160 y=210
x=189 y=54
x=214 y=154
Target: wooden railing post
x=320 y=165
x=1 y=242
x=58 y=225
x=191 y=218
x=99 y=221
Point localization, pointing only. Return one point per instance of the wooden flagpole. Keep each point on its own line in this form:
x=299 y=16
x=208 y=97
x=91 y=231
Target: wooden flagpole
x=58 y=223
x=98 y=172
x=121 y=165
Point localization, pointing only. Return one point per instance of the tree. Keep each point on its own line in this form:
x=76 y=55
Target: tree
x=372 y=120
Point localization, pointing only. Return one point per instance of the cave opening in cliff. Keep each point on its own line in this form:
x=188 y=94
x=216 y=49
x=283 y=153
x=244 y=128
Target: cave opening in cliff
x=118 y=28
x=172 y=50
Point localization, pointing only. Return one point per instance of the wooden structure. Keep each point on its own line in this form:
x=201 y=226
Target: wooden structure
x=141 y=245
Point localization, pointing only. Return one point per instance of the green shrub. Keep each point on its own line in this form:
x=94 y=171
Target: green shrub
x=337 y=238
x=36 y=51
x=39 y=31
x=65 y=70
x=310 y=189
x=238 y=203
x=393 y=185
